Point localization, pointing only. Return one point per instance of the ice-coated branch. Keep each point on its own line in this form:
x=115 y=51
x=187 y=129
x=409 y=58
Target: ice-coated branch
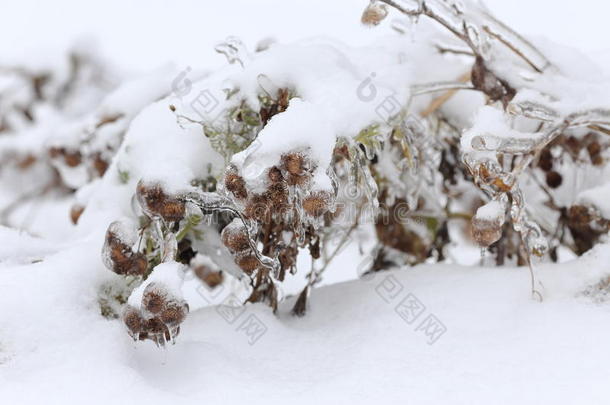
x=210 y=203
x=470 y=30
x=420 y=89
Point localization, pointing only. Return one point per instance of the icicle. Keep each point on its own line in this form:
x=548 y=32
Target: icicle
x=494 y=143
x=170 y=247
x=371 y=188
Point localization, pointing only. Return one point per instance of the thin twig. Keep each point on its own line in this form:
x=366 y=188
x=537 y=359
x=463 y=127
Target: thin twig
x=513 y=48
x=454 y=51
x=438 y=102
x=343 y=240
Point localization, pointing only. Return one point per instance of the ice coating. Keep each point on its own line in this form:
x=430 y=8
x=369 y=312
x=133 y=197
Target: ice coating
x=126 y=232
x=492 y=133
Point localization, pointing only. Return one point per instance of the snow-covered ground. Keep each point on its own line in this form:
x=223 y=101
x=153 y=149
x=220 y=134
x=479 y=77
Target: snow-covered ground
x=430 y=334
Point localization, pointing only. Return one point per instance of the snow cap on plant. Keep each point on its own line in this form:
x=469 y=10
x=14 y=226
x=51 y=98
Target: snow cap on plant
x=487 y=223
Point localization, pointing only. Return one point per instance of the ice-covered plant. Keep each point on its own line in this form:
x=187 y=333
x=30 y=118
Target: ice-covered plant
x=454 y=143
x=455 y=131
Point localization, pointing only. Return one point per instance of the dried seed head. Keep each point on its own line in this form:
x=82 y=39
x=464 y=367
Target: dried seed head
x=597 y=160
x=258 y=207
x=72 y=158
x=554 y=179
x=374 y=13
x=210 y=277
x=55 y=152
x=574 y=144
x=154 y=326
x=235 y=184
x=75 y=213
x=579 y=215
x=119 y=257
x=133 y=319
x=174 y=313
x=293 y=163
x=317 y=203
x=594 y=148
x=486 y=231
x=235 y=237
x=277 y=195
x=485 y=80
x=154 y=298
x=546 y=160
x=487 y=223
x=155 y=202
x=299 y=181
x=275 y=175
x=26 y=161
x=341 y=152
x=247 y=262
x=99 y=164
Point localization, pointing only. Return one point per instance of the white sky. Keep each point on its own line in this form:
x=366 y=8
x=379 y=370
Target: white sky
x=142 y=34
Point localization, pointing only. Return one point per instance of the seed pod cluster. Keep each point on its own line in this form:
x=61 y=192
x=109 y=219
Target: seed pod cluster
x=235 y=184
x=156 y=202
x=317 y=203
x=294 y=169
x=160 y=315
x=117 y=253
x=281 y=200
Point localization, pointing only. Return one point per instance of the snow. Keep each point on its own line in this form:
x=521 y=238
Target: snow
x=303 y=127
x=169 y=276
x=500 y=346
x=493 y=210
x=598 y=197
